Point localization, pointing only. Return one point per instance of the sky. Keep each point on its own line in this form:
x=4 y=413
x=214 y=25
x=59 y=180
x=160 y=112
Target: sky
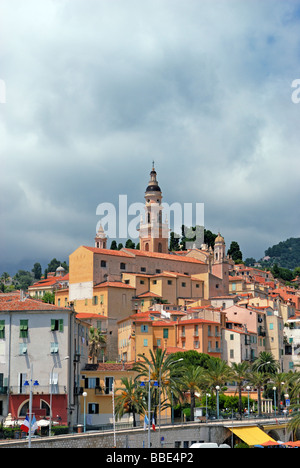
x=92 y=91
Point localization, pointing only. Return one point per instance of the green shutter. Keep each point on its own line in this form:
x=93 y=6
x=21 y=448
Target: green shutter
x=61 y=325
x=52 y=324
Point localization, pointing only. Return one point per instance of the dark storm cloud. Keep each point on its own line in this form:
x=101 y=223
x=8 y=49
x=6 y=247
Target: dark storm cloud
x=97 y=89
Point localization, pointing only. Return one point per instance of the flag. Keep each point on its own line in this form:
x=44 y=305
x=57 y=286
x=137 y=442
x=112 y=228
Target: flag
x=153 y=423
x=146 y=422
x=25 y=425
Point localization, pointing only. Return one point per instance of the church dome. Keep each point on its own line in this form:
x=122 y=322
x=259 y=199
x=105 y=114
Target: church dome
x=153 y=185
x=219 y=239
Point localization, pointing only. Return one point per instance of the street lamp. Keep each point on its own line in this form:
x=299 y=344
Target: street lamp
x=217 y=388
x=142 y=384
x=206 y=395
x=51 y=383
x=274 y=389
x=84 y=411
x=30 y=384
x=248 y=389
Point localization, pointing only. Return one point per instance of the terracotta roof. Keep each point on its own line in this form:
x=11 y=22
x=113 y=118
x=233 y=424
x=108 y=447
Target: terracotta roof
x=14 y=302
x=118 y=253
x=148 y=294
x=197 y=321
x=140 y=253
x=114 y=284
x=87 y=315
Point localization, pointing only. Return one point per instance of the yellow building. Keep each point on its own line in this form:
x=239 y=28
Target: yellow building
x=97 y=382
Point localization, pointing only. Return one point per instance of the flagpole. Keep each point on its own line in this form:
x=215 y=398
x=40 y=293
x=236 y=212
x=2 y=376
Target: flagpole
x=149 y=411
x=30 y=407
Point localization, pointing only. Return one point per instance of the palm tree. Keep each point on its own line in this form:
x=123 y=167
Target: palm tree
x=240 y=373
x=191 y=381
x=217 y=373
x=266 y=363
x=96 y=340
x=129 y=400
x=162 y=371
x=258 y=380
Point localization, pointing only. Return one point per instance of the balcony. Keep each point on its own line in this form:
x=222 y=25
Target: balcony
x=38 y=390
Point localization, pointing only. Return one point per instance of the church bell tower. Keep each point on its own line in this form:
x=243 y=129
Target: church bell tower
x=154 y=234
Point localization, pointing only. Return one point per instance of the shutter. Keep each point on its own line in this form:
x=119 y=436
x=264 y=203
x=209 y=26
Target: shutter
x=61 y=325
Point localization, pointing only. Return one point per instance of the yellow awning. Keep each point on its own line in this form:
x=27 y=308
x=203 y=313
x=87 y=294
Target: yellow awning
x=252 y=435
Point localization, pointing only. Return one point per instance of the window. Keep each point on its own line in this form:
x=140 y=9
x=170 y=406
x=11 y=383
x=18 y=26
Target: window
x=159 y=342
x=91 y=382
x=54 y=348
x=93 y=408
x=2 y=328
x=142 y=282
x=231 y=337
x=271 y=326
x=103 y=264
x=122 y=266
x=231 y=354
x=197 y=285
x=143 y=269
x=23 y=328
x=144 y=328
x=157 y=271
x=165 y=333
x=108 y=385
x=154 y=282
x=57 y=325
x=95 y=300
x=169 y=282
x=145 y=342
x=183 y=285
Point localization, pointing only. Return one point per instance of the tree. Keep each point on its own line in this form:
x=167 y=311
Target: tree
x=162 y=371
x=129 y=244
x=96 y=340
x=24 y=279
x=235 y=252
x=37 y=271
x=192 y=379
x=129 y=400
x=240 y=373
x=266 y=363
x=49 y=298
x=217 y=373
x=113 y=245
x=174 y=242
x=5 y=276
x=258 y=380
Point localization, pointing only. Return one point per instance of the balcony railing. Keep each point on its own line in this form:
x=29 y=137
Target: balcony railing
x=38 y=389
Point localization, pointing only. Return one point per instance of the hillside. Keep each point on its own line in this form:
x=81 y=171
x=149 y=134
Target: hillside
x=286 y=254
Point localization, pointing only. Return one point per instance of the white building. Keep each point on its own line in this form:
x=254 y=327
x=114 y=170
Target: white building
x=50 y=342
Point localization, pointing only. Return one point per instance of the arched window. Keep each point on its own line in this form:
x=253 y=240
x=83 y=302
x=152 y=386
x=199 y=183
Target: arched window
x=160 y=247
x=147 y=247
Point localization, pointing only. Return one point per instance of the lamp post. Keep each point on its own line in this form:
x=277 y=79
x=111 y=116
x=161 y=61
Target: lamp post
x=30 y=384
x=217 y=388
x=51 y=383
x=149 y=404
x=274 y=389
x=248 y=389
x=206 y=395
x=84 y=411
x=159 y=401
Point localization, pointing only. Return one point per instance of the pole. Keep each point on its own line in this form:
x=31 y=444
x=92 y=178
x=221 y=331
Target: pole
x=149 y=412
x=113 y=408
x=30 y=407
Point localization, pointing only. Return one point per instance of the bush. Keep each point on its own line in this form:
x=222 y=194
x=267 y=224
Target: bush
x=58 y=430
